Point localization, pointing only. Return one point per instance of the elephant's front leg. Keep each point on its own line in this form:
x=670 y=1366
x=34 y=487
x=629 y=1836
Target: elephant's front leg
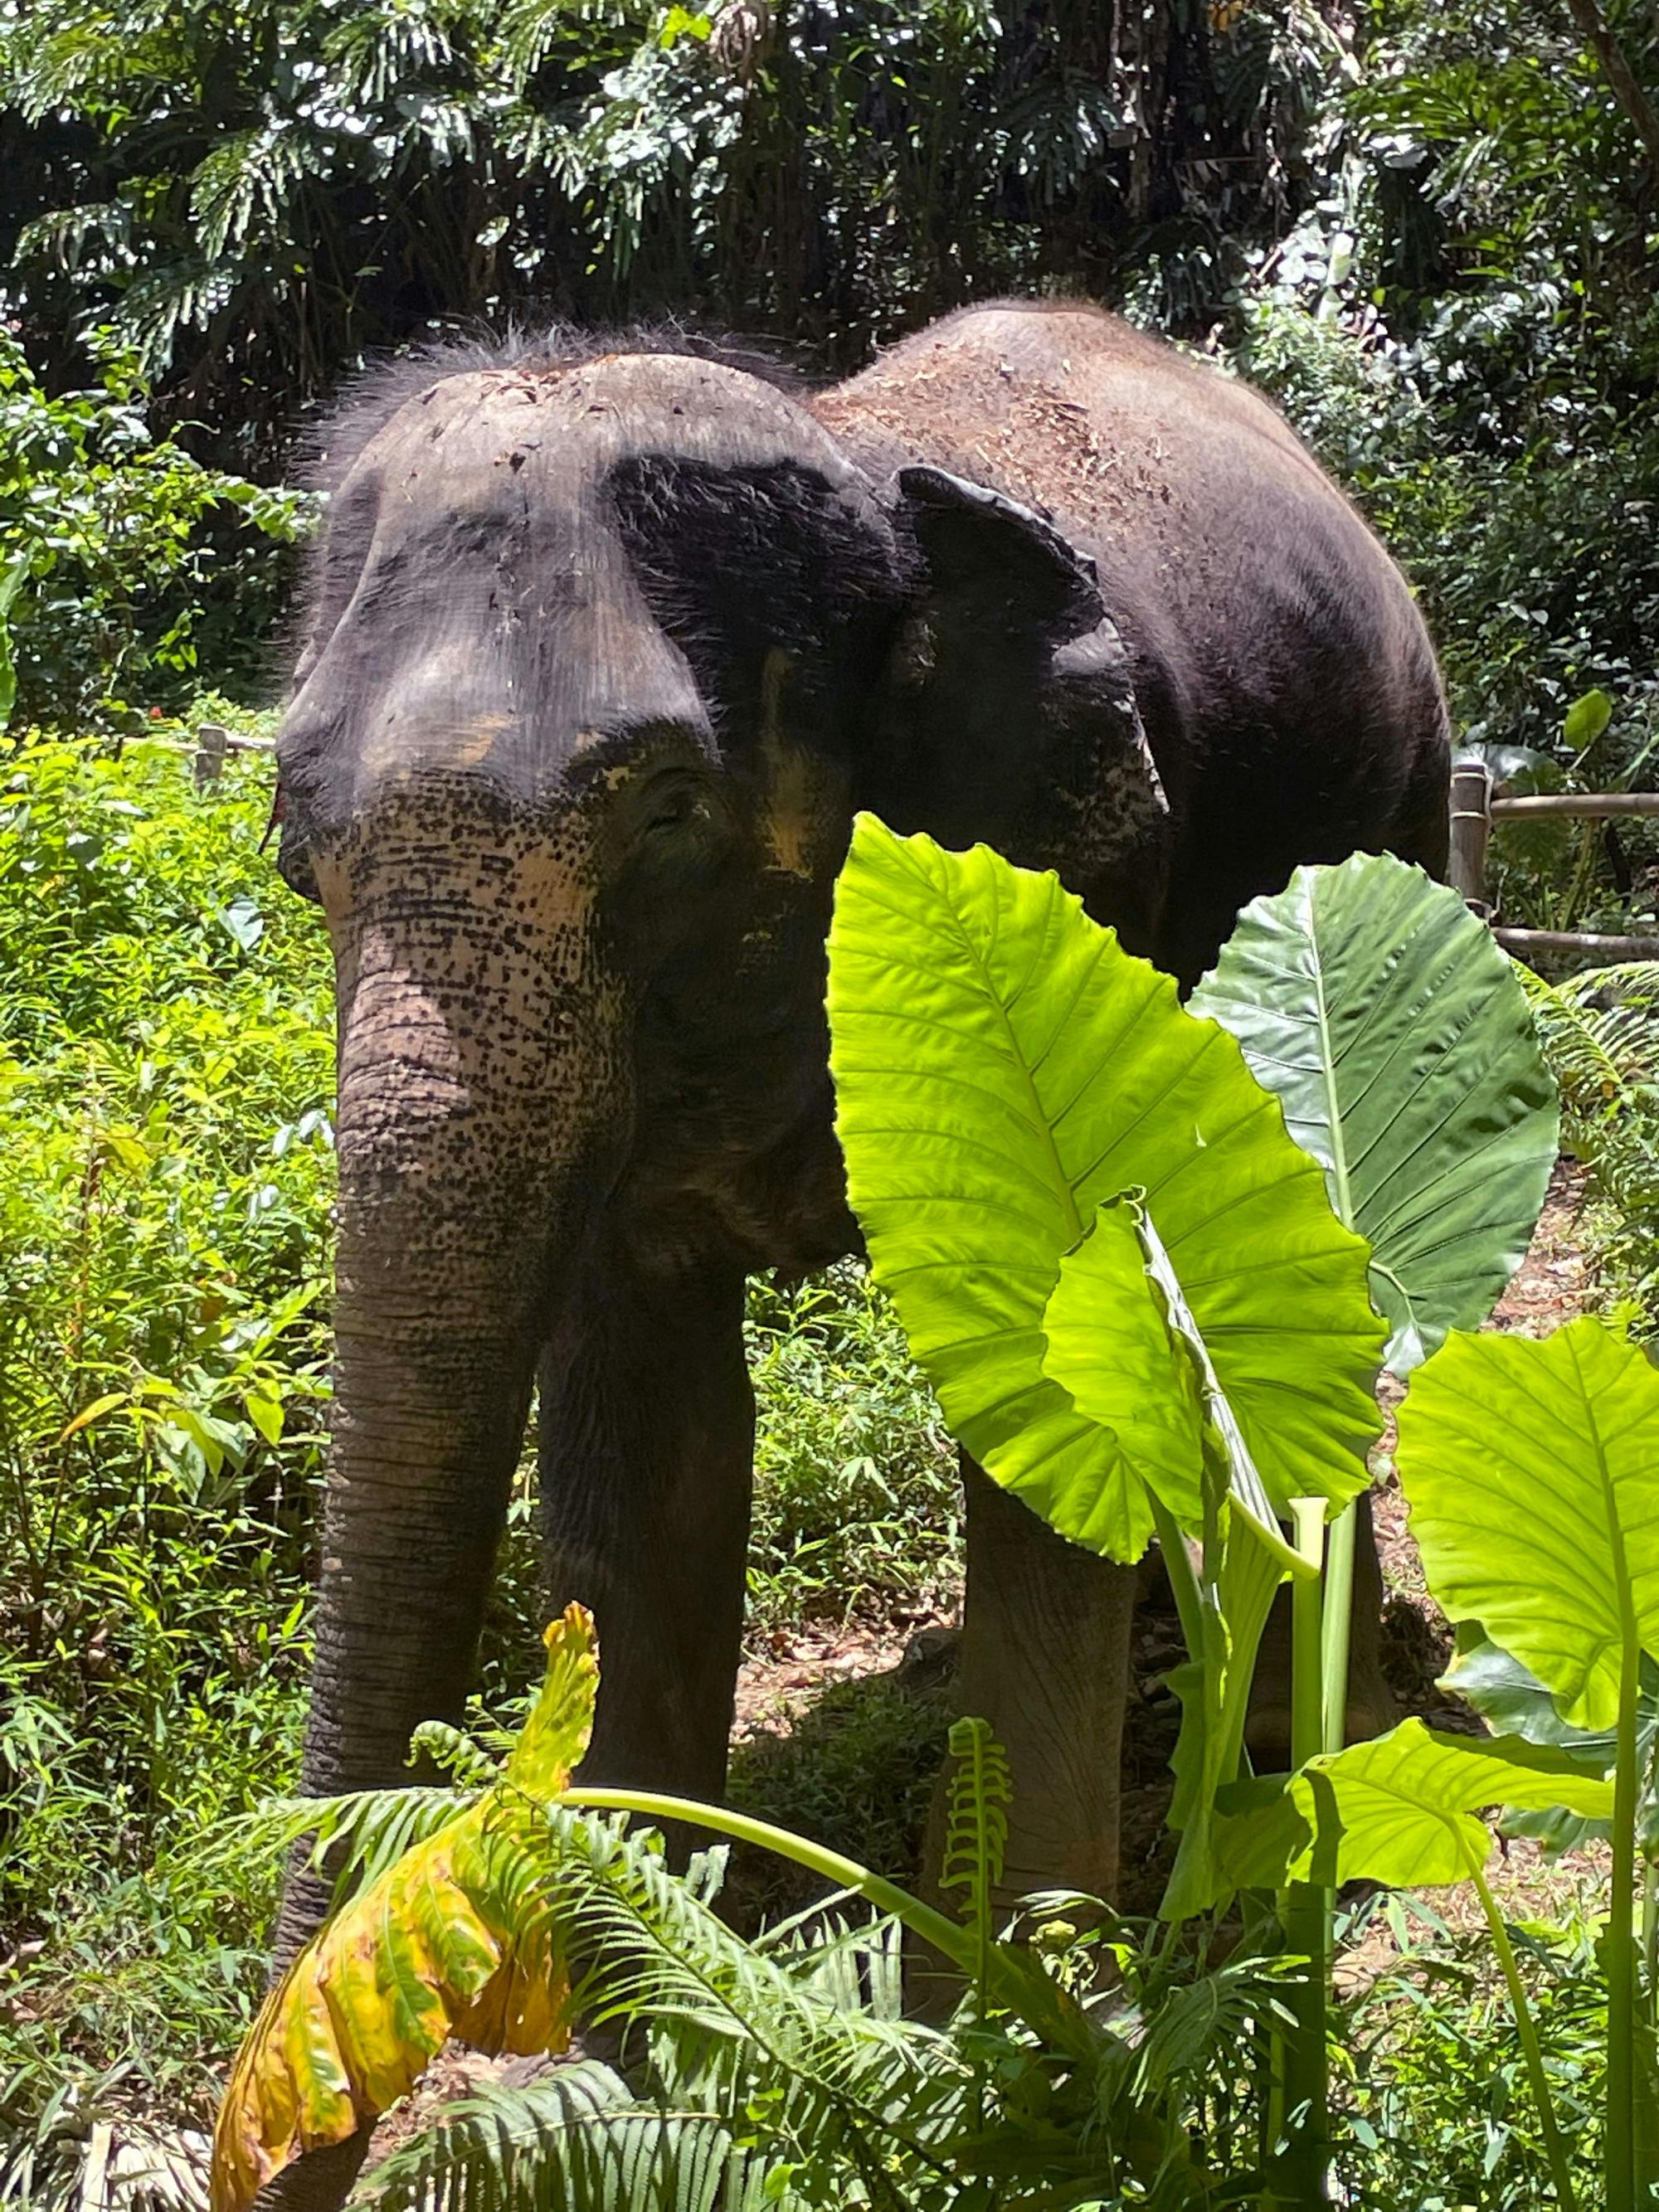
x=647 y=1424
x=1045 y=1659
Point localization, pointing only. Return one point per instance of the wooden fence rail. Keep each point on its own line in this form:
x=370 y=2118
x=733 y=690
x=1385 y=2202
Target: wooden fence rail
x=1474 y=808
x=1587 y=805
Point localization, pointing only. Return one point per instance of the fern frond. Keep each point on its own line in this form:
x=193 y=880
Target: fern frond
x=747 y=2062
x=370 y=1829
x=453 y=1752
x=1600 y=1032
x=660 y=1952
x=976 y=1831
x=578 y=2139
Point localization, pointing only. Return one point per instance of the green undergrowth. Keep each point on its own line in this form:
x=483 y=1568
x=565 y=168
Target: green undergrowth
x=167 y=1072
x=166 y=1066
x=858 y=1505
x=1429 y=2074
x=854 y=1769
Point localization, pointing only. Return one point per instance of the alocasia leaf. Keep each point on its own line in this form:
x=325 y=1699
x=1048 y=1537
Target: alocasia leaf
x=1510 y=1696
x=440 y=1944
x=1123 y=1338
x=1002 y=1065
x=1532 y=1469
x=1402 y=1809
x=1111 y=1346
x=1384 y=1016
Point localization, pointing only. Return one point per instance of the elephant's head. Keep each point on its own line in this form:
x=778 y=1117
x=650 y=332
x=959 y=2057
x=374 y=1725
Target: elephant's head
x=603 y=656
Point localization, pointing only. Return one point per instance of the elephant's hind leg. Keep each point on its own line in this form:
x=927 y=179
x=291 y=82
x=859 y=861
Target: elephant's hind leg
x=1045 y=1659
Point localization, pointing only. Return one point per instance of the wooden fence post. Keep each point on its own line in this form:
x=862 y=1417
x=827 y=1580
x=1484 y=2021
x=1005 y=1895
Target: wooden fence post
x=212 y=744
x=1471 y=825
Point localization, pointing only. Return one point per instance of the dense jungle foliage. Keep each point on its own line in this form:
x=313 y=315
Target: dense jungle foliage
x=1429 y=230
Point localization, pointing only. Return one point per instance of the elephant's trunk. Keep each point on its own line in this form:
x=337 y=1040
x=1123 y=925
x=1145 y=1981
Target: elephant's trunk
x=472 y=1069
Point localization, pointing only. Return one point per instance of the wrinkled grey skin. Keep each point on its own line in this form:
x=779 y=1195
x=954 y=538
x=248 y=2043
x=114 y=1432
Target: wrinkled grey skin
x=605 y=650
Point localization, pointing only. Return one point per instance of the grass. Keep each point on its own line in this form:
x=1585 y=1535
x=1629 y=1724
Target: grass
x=1429 y=2073
x=858 y=1505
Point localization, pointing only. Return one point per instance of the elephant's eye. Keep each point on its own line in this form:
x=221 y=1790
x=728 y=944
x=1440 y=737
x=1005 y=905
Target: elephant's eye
x=673 y=810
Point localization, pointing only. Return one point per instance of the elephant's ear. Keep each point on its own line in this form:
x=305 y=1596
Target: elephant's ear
x=992 y=561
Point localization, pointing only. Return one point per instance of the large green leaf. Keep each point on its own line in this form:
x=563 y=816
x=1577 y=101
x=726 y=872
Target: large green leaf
x=1512 y=1697
x=1532 y=1469
x=1401 y=1809
x=1393 y=1030
x=1111 y=1346
x=1123 y=1340
x=1002 y=1065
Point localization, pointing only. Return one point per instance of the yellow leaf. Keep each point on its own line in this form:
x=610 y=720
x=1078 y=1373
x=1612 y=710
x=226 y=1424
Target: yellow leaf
x=438 y=1946
x=127 y=1149
x=95 y=1411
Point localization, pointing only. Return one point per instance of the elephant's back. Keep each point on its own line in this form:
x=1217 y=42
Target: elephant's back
x=1064 y=404
x=1202 y=509
x=1285 y=675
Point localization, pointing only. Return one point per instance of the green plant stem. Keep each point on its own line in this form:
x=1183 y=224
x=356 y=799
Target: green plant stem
x=957 y=1943
x=1337 y=1626
x=1526 y=2027
x=1307 y=1636
x=1183 y=1581
x=1621 y=2175
x=1298 y=2172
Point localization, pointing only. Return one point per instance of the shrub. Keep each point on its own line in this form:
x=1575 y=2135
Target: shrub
x=112 y=539
x=164 y=1188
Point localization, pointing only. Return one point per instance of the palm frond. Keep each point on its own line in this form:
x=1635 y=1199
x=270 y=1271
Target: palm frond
x=379 y=50
x=248 y=177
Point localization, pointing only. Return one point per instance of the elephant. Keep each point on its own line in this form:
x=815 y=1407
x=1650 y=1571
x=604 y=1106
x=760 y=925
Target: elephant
x=608 y=640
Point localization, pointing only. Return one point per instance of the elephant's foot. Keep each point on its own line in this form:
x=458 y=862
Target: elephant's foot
x=318 y=2182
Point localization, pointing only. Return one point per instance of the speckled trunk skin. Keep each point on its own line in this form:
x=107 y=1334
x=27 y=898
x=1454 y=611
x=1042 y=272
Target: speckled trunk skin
x=473 y=1067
